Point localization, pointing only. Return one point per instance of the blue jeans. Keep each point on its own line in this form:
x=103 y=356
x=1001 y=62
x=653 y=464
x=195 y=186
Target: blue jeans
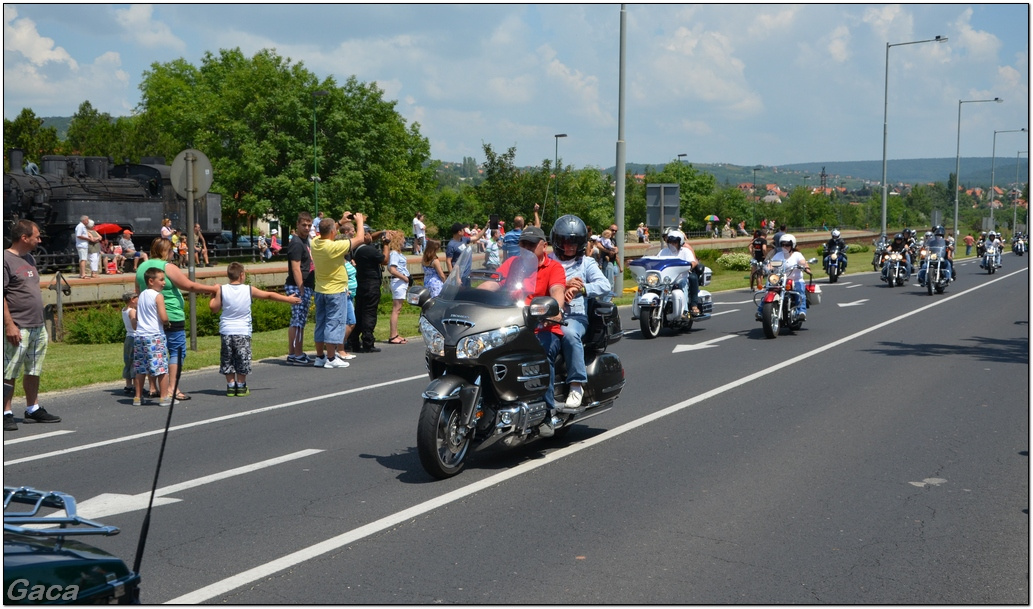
x=177 y=344
x=551 y=343
x=573 y=348
x=330 y=312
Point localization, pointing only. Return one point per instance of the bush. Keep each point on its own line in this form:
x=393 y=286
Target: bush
x=94 y=326
x=735 y=262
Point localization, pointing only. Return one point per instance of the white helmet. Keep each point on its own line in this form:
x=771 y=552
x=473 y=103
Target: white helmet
x=675 y=236
x=835 y=233
x=787 y=237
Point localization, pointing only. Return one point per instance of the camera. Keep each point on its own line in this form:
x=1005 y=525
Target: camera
x=349 y=216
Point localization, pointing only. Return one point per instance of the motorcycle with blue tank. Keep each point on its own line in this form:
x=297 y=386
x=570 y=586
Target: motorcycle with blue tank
x=659 y=301
x=833 y=262
x=488 y=372
x=779 y=303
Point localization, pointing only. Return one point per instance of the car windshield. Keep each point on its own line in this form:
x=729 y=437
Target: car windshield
x=511 y=284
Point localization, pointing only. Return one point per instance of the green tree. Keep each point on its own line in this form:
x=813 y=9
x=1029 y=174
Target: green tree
x=26 y=131
x=501 y=190
x=91 y=132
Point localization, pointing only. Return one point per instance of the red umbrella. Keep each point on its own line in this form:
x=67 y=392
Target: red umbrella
x=107 y=228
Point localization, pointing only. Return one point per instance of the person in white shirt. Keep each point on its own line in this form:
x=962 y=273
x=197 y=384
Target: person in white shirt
x=419 y=234
x=82 y=244
x=676 y=247
x=788 y=255
x=234 y=300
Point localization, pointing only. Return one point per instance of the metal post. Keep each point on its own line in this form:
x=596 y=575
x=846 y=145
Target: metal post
x=1015 y=200
x=315 y=155
x=190 y=159
x=993 y=162
x=556 y=169
x=618 y=286
x=885 y=114
x=957 y=159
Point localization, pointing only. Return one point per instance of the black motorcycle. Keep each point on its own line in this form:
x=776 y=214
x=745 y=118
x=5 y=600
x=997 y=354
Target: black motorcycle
x=934 y=274
x=489 y=373
x=834 y=264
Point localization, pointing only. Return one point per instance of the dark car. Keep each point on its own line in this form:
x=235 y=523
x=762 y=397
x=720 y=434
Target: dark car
x=51 y=565
x=224 y=241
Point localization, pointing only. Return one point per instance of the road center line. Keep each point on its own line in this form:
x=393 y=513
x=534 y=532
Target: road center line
x=37 y=437
x=235 y=415
x=335 y=543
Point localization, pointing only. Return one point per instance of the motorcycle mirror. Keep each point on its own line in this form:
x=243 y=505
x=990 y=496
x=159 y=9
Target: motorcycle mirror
x=544 y=306
x=417 y=295
x=812 y=260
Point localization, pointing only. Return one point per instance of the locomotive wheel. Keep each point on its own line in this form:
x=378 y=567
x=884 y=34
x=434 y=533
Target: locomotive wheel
x=441 y=446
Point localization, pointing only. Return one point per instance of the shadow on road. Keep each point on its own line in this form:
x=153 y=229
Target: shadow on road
x=982 y=348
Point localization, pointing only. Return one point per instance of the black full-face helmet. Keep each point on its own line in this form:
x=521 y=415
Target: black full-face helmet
x=568 y=229
x=939 y=231
x=898 y=238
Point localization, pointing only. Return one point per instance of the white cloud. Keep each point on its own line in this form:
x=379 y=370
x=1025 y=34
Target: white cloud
x=768 y=25
x=890 y=21
x=583 y=88
x=838 y=44
x=21 y=36
x=139 y=26
x=979 y=44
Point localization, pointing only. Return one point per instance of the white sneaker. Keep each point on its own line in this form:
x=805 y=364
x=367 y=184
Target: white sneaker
x=574 y=396
x=336 y=363
x=320 y=362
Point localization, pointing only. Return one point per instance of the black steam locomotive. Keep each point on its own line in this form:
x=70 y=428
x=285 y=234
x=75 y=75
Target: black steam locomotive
x=137 y=197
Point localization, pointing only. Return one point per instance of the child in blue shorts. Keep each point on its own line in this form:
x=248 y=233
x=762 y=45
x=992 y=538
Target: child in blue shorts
x=150 y=351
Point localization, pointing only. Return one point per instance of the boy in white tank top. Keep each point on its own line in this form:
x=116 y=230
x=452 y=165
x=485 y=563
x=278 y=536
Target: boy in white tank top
x=234 y=302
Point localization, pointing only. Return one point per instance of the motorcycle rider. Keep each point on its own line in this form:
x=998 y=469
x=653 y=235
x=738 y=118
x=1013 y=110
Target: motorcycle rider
x=981 y=245
x=900 y=246
x=1016 y=238
x=937 y=241
x=550 y=280
x=569 y=239
x=788 y=255
x=992 y=239
x=836 y=241
x=673 y=248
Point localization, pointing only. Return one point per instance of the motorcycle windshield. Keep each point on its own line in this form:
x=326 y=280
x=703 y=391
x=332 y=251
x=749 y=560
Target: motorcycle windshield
x=513 y=283
x=938 y=247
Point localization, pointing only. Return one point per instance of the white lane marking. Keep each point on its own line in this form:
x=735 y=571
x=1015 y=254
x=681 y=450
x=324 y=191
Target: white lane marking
x=109 y=504
x=856 y=303
x=235 y=415
x=723 y=312
x=704 y=345
x=732 y=303
x=335 y=543
x=37 y=437
x=855 y=285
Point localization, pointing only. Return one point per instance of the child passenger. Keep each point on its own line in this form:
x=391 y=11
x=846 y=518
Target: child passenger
x=234 y=300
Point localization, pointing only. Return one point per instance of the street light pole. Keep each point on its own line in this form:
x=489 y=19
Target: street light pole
x=556 y=168
x=1015 y=200
x=993 y=162
x=957 y=160
x=682 y=155
x=315 y=156
x=885 y=114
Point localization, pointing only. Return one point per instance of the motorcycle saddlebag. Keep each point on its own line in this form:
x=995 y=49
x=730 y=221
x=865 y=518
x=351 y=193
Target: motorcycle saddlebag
x=813 y=294
x=604 y=323
x=605 y=376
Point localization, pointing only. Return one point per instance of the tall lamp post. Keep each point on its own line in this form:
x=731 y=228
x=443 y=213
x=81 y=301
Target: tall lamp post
x=315 y=156
x=957 y=160
x=755 y=196
x=1015 y=200
x=993 y=162
x=885 y=111
x=556 y=168
x=682 y=155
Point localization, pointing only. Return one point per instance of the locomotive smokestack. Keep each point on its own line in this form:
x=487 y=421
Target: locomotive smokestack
x=17 y=157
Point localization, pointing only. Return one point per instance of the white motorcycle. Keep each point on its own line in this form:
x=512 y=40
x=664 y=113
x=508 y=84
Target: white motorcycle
x=660 y=302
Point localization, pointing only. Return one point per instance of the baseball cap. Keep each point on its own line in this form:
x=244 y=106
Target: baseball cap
x=274 y=232
x=532 y=234
x=127 y=232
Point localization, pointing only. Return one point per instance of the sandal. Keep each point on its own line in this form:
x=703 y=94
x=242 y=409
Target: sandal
x=182 y=397
x=397 y=340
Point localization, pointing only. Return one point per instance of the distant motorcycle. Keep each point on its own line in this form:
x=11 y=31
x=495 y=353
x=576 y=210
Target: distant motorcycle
x=834 y=265
x=880 y=251
x=1018 y=247
x=935 y=273
x=991 y=259
x=659 y=301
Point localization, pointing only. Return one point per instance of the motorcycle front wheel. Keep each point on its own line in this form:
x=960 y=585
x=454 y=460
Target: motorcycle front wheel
x=929 y=283
x=769 y=313
x=650 y=321
x=833 y=273
x=439 y=440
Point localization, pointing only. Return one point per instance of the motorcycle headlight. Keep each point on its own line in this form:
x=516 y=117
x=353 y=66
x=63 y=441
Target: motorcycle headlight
x=433 y=339
x=652 y=279
x=933 y=256
x=473 y=346
x=834 y=256
x=774 y=279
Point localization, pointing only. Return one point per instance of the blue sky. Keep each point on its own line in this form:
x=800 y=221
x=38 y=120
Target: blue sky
x=742 y=84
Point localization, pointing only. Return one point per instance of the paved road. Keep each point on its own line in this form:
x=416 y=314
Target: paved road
x=879 y=455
